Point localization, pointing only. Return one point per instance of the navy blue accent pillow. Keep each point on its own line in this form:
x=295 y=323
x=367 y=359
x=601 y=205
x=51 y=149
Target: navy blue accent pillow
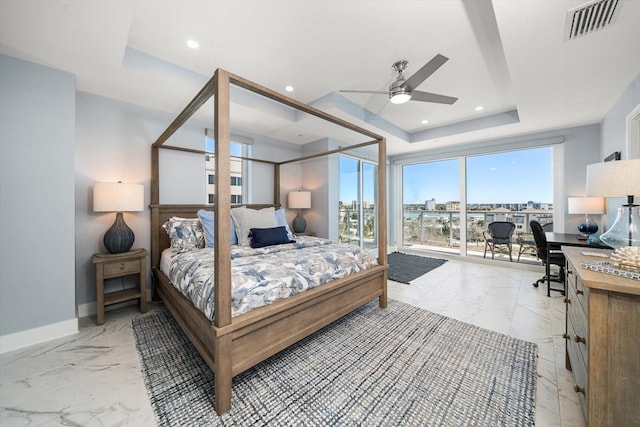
x=261 y=237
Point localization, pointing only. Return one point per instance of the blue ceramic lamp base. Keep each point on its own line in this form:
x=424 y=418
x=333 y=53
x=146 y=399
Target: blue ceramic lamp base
x=119 y=238
x=587 y=227
x=299 y=224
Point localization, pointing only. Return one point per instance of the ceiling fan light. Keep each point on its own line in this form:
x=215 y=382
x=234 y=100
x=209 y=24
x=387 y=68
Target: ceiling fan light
x=400 y=98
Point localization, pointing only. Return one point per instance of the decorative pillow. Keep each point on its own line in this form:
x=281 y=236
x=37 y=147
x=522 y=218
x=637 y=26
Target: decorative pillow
x=246 y=219
x=207 y=218
x=186 y=234
x=261 y=237
x=282 y=222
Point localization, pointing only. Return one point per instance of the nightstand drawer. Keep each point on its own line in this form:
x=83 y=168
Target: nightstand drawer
x=116 y=269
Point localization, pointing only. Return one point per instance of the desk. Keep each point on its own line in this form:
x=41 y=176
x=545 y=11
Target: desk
x=602 y=346
x=562 y=239
x=555 y=241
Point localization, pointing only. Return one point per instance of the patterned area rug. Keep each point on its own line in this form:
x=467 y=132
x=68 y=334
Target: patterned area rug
x=404 y=268
x=399 y=366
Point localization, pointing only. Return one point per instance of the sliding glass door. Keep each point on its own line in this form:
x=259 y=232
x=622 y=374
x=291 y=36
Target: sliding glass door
x=356 y=205
x=431 y=205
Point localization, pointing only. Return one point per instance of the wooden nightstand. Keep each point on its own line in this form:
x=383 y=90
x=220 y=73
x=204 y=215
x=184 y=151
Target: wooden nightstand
x=306 y=233
x=109 y=266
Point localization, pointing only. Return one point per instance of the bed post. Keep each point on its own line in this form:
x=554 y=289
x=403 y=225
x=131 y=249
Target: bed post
x=222 y=294
x=155 y=216
x=382 y=214
x=276 y=185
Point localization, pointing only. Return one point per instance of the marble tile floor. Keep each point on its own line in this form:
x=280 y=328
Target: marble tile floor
x=93 y=378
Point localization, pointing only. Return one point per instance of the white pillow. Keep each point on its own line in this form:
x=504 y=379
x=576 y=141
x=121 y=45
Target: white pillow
x=282 y=222
x=245 y=219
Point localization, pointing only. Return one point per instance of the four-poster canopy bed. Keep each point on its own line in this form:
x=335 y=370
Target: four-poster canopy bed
x=232 y=344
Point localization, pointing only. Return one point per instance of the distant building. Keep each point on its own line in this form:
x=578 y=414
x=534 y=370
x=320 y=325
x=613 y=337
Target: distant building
x=430 y=205
x=236 y=179
x=498 y=214
x=453 y=206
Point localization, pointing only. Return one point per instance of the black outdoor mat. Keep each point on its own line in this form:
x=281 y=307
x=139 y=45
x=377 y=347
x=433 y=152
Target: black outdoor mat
x=404 y=268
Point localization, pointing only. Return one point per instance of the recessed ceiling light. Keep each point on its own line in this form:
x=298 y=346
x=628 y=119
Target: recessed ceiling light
x=479 y=108
x=193 y=44
x=424 y=122
x=289 y=88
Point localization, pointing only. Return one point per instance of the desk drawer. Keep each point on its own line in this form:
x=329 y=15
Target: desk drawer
x=577 y=292
x=577 y=331
x=577 y=356
x=120 y=268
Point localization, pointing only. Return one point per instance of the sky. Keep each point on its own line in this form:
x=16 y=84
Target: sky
x=508 y=177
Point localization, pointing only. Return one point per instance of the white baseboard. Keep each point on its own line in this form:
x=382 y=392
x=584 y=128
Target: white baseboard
x=18 y=340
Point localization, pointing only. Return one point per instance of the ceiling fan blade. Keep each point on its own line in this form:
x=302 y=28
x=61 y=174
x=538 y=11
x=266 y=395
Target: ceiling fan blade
x=365 y=91
x=424 y=72
x=417 y=95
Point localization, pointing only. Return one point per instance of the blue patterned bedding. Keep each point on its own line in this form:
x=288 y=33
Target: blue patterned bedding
x=265 y=275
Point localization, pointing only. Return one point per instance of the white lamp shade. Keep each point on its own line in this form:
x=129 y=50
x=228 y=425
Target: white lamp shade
x=299 y=200
x=117 y=197
x=586 y=205
x=614 y=179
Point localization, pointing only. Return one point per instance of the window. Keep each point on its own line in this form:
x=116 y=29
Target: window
x=514 y=186
x=238 y=150
x=500 y=188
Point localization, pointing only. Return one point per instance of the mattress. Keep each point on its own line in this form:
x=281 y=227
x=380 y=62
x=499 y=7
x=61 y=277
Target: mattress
x=265 y=275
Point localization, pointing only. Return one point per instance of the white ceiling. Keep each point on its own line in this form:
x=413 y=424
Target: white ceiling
x=508 y=56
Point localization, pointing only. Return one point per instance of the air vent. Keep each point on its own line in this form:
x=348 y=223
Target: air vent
x=590 y=17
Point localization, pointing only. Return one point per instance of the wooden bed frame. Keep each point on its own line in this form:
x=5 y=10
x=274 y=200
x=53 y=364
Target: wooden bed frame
x=231 y=345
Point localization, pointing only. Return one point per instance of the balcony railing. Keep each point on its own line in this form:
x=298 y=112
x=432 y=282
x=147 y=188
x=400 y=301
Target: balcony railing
x=440 y=230
x=351 y=229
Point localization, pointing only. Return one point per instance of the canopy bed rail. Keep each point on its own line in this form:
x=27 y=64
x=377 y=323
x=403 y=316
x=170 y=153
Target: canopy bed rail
x=231 y=345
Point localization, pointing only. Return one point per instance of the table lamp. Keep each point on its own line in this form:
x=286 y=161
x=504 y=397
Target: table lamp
x=586 y=206
x=118 y=197
x=299 y=200
x=618 y=179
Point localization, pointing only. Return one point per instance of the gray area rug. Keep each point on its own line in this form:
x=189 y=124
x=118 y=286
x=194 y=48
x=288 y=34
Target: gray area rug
x=402 y=366
x=404 y=268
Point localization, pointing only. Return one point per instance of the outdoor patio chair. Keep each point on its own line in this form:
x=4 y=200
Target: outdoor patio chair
x=499 y=233
x=526 y=245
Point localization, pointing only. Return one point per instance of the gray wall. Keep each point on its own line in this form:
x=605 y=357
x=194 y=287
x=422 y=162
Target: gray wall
x=581 y=148
x=321 y=178
x=613 y=126
x=614 y=135
x=37 y=110
x=113 y=143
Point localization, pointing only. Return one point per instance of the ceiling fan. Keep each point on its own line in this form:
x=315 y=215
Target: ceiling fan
x=403 y=90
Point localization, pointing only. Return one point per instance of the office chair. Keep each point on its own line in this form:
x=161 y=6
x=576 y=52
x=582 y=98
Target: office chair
x=548 y=256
